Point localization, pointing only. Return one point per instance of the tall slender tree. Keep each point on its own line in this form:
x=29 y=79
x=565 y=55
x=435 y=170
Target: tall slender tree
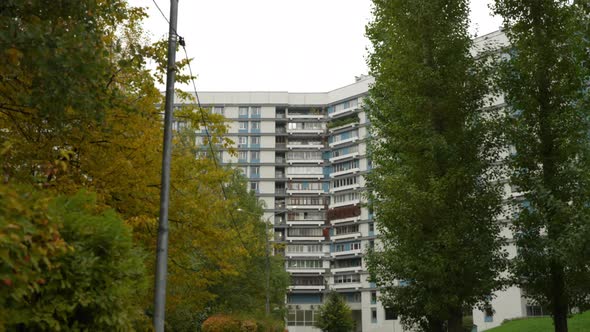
x=546 y=80
x=433 y=186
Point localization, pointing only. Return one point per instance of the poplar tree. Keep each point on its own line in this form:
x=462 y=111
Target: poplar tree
x=545 y=78
x=434 y=188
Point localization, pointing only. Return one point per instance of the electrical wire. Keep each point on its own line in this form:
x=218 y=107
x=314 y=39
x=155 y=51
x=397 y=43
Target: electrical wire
x=182 y=43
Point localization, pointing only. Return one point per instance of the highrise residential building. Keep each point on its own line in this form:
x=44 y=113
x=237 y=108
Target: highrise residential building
x=305 y=157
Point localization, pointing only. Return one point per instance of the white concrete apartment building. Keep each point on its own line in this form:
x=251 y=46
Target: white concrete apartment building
x=305 y=157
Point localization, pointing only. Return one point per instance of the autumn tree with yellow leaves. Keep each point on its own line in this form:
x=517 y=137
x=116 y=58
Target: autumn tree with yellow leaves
x=78 y=113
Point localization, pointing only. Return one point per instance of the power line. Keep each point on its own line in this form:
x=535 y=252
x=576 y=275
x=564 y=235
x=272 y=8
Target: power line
x=182 y=43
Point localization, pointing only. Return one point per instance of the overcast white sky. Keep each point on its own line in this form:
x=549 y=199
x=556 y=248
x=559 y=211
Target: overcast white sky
x=278 y=45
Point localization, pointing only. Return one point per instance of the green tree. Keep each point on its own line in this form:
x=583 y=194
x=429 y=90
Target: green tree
x=91 y=285
x=334 y=315
x=545 y=80
x=434 y=185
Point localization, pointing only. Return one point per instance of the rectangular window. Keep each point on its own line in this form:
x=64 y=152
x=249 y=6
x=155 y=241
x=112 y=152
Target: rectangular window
x=373 y=315
x=254 y=155
x=243 y=140
x=255 y=110
x=373 y=297
x=255 y=124
x=304 y=264
x=305 y=232
x=255 y=140
x=254 y=186
x=254 y=171
x=243 y=125
x=243 y=111
x=243 y=155
x=217 y=110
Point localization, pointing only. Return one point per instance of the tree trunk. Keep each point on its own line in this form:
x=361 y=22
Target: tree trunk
x=456 y=321
x=559 y=301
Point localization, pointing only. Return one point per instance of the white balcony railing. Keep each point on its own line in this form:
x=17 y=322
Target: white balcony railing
x=346 y=156
x=344 y=141
x=343 y=220
x=345 y=236
x=355 y=285
x=355 y=252
x=344 y=172
x=307 y=287
x=352 y=186
x=353 y=202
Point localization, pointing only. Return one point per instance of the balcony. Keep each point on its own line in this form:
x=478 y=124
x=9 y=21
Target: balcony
x=305 y=222
x=305 y=191
x=305 y=131
x=343 y=220
x=305 y=176
x=280 y=191
x=318 y=254
x=350 y=187
x=346 y=236
x=292 y=206
x=279 y=175
x=280 y=160
x=305 y=145
x=305 y=238
x=280 y=130
x=347 y=269
x=354 y=285
x=293 y=115
x=336 y=205
x=307 y=287
x=344 y=172
x=345 y=156
x=344 y=111
x=355 y=252
x=344 y=141
x=305 y=270
x=291 y=160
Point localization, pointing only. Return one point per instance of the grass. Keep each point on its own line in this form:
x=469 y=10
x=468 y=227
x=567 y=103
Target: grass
x=576 y=323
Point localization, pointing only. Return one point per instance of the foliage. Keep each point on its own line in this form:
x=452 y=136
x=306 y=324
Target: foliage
x=91 y=285
x=545 y=80
x=577 y=323
x=334 y=315
x=30 y=241
x=229 y=323
x=343 y=121
x=434 y=187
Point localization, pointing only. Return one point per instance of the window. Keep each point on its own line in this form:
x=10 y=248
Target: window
x=254 y=155
x=373 y=297
x=488 y=314
x=348 y=197
x=344 y=263
x=304 y=155
x=254 y=186
x=304 y=170
x=373 y=315
x=255 y=171
x=243 y=155
x=255 y=140
x=346 y=278
x=345 y=166
x=217 y=110
x=344 y=182
x=390 y=314
x=304 y=248
x=255 y=124
x=301 y=317
x=243 y=125
x=243 y=140
x=371 y=227
x=243 y=111
x=255 y=110
x=306 y=232
x=348 y=229
x=304 y=264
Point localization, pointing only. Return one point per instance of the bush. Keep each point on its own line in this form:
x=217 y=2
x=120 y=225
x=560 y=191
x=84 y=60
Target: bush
x=92 y=285
x=229 y=323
